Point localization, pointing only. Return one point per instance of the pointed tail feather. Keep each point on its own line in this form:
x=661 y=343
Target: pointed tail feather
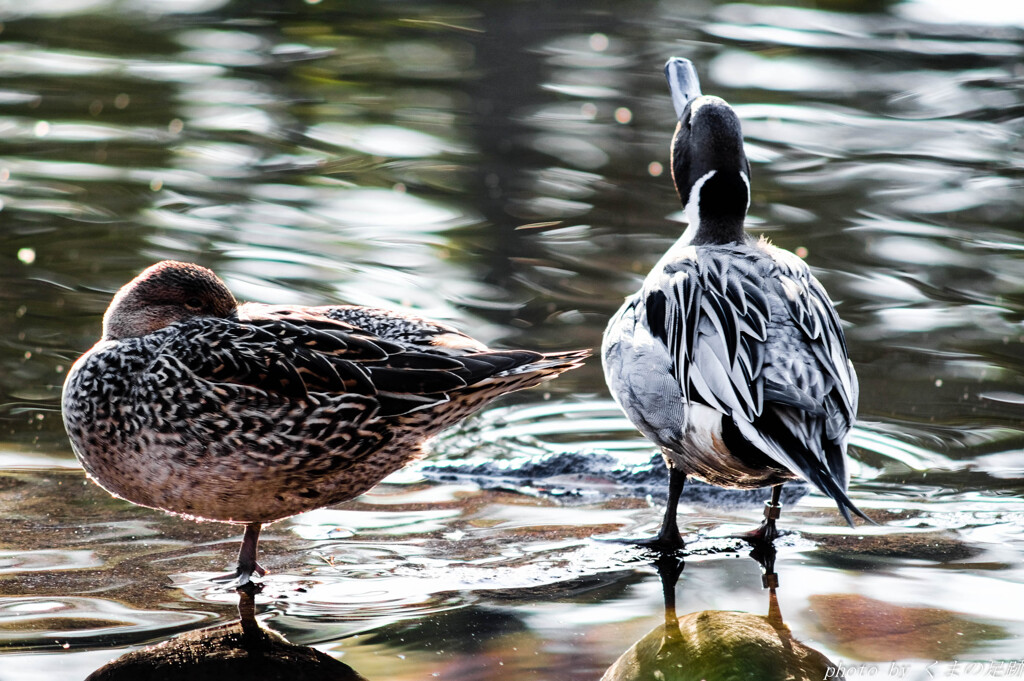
x=538 y=369
x=824 y=468
x=552 y=364
x=827 y=484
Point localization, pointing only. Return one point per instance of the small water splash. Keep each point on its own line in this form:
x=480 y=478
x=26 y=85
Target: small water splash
x=590 y=449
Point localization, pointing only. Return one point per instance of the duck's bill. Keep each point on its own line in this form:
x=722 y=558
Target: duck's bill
x=682 y=82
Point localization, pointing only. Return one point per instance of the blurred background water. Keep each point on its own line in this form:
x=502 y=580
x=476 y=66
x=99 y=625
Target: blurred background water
x=503 y=166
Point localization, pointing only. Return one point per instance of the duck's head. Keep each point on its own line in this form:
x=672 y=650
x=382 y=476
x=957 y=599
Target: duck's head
x=163 y=294
x=709 y=167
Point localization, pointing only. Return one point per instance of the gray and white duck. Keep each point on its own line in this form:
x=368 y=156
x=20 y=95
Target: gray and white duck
x=731 y=357
x=198 y=406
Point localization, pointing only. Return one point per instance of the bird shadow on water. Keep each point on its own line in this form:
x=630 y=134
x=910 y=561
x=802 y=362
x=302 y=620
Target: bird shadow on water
x=239 y=649
x=719 y=644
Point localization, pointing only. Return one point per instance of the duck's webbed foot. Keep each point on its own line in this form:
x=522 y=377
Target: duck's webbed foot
x=242 y=576
x=767 y=532
x=666 y=541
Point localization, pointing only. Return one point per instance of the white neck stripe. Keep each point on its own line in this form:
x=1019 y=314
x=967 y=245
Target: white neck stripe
x=692 y=209
x=746 y=181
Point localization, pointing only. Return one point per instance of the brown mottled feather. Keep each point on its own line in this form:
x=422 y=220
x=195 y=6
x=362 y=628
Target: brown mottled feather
x=195 y=405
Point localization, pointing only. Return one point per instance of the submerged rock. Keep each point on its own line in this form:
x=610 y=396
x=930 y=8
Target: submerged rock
x=716 y=644
x=238 y=650
x=595 y=475
x=877 y=631
x=719 y=644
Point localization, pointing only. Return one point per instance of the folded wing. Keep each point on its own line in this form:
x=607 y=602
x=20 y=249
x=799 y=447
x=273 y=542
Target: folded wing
x=758 y=340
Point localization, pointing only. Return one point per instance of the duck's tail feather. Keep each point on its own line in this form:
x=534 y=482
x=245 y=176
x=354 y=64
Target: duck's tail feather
x=828 y=485
x=818 y=459
x=529 y=370
x=551 y=364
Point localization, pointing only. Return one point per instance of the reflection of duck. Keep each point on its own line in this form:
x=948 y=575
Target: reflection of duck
x=239 y=650
x=716 y=644
x=195 y=405
x=731 y=357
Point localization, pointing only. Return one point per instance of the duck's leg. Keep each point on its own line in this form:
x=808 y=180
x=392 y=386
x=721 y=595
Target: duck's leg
x=767 y=532
x=668 y=538
x=772 y=511
x=247 y=565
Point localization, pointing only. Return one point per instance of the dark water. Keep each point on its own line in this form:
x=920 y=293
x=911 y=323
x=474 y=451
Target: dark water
x=500 y=165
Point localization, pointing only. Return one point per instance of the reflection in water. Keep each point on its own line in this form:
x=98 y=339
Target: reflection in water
x=236 y=650
x=717 y=644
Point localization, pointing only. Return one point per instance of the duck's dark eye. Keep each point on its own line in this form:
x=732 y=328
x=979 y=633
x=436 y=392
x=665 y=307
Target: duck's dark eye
x=194 y=303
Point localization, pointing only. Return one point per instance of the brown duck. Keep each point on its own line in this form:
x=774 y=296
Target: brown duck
x=198 y=406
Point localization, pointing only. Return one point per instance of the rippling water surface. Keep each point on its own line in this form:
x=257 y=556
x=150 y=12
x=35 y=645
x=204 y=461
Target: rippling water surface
x=503 y=166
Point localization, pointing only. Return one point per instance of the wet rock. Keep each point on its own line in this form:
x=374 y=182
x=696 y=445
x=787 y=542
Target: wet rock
x=716 y=644
x=713 y=644
x=592 y=475
x=238 y=650
x=876 y=631
x=226 y=652
x=849 y=551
